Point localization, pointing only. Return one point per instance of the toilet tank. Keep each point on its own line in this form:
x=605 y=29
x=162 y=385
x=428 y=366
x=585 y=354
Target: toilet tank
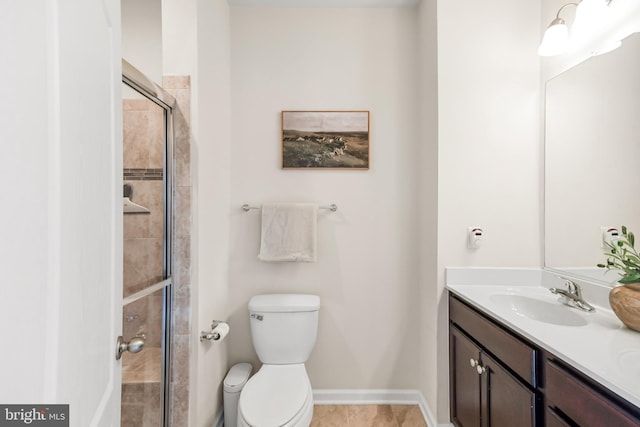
x=284 y=327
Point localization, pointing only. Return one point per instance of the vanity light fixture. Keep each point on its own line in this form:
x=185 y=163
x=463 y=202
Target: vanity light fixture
x=556 y=37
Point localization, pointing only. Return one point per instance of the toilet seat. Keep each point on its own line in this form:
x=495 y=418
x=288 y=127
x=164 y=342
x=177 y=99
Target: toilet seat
x=277 y=396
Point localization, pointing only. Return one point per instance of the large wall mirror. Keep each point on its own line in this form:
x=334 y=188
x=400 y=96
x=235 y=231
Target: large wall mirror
x=592 y=159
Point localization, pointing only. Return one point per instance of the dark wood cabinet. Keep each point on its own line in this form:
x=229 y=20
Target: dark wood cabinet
x=579 y=403
x=483 y=391
x=520 y=356
x=508 y=401
x=465 y=381
x=554 y=419
x=500 y=379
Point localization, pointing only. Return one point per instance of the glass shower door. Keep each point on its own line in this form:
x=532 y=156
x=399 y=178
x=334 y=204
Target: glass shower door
x=142 y=372
x=147 y=258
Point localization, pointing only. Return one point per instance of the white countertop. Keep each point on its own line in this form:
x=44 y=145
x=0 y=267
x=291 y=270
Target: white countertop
x=601 y=346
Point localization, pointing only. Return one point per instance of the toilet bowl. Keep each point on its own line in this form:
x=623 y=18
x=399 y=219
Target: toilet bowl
x=277 y=396
x=283 y=330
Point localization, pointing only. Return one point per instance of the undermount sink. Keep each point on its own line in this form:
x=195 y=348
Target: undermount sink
x=541 y=311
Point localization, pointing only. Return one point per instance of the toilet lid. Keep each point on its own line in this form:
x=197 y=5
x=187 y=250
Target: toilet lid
x=274 y=395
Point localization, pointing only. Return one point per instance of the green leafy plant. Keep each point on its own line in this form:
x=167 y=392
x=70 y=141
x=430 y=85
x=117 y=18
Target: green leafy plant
x=623 y=258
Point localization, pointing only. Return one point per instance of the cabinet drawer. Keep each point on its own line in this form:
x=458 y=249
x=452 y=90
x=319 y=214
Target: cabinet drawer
x=579 y=402
x=515 y=353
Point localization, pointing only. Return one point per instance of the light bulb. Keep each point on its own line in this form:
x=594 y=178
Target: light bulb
x=590 y=15
x=555 y=40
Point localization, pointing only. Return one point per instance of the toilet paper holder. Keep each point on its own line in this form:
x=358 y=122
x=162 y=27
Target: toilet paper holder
x=213 y=334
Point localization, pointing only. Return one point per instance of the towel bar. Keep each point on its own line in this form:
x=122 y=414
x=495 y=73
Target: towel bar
x=332 y=207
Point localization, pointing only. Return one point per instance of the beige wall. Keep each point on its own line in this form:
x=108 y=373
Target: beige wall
x=427 y=197
x=142 y=36
x=196 y=43
x=212 y=159
x=489 y=151
x=367 y=269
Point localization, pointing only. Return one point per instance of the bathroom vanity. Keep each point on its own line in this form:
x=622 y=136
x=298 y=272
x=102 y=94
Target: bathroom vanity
x=509 y=368
x=518 y=356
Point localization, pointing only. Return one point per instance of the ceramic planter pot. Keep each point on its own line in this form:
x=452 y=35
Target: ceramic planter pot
x=625 y=302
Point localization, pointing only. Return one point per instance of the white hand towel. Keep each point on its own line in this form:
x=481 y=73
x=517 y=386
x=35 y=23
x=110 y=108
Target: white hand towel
x=288 y=232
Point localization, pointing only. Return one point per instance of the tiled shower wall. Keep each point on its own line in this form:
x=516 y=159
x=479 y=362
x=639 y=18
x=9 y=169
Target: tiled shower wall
x=143 y=140
x=180 y=88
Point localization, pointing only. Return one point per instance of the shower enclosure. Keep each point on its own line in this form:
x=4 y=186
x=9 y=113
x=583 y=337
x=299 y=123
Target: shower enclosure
x=147 y=248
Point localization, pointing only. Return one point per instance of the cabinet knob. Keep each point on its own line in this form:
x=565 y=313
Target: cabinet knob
x=473 y=362
x=480 y=369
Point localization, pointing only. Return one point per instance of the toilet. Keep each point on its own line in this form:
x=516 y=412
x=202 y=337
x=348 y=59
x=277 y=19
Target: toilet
x=284 y=328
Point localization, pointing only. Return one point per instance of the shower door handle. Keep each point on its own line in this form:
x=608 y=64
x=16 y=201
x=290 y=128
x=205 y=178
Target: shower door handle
x=134 y=345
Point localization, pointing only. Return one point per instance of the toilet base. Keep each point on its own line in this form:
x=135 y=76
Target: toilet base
x=301 y=418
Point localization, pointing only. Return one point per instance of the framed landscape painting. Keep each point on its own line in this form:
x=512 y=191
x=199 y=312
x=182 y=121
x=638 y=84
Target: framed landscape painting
x=325 y=139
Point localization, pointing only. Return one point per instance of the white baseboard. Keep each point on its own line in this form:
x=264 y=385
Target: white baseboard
x=365 y=397
x=368 y=397
x=377 y=397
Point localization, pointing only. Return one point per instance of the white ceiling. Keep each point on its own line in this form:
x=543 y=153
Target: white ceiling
x=324 y=3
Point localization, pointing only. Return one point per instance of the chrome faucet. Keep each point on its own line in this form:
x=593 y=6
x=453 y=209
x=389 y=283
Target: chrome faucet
x=572 y=296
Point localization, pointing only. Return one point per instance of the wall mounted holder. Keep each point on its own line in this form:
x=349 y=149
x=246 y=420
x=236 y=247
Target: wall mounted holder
x=219 y=330
x=474 y=237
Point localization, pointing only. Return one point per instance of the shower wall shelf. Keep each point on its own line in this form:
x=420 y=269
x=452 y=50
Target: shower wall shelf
x=130 y=207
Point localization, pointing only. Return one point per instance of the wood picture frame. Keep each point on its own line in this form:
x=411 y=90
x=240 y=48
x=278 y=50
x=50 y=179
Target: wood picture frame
x=325 y=139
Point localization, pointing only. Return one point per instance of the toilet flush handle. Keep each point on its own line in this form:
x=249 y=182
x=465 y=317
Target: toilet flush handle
x=256 y=316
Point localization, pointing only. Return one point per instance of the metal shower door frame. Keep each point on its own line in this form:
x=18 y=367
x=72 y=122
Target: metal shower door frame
x=139 y=82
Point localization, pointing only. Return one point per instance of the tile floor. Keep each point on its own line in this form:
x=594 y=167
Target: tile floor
x=367 y=416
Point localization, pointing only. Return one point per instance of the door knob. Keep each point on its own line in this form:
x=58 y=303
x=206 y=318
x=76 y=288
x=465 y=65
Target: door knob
x=134 y=345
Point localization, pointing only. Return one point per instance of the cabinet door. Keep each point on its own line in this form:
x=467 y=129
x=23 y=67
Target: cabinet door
x=506 y=401
x=465 y=381
x=553 y=419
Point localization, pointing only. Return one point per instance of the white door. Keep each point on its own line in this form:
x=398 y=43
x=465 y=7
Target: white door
x=61 y=206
